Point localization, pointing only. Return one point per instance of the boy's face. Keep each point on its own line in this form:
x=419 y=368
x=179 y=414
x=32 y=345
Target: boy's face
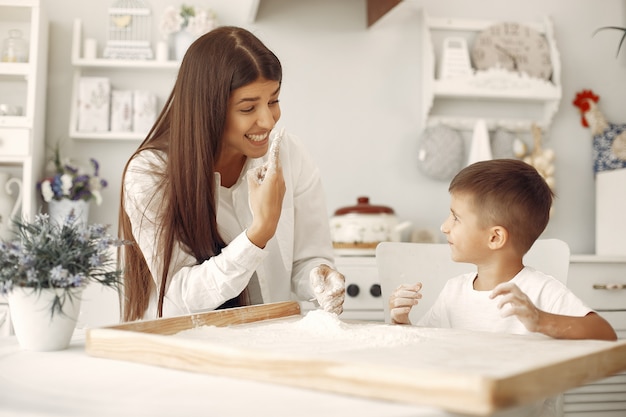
x=468 y=240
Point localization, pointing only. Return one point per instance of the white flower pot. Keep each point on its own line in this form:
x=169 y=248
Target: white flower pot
x=35 y=327
x=59 y=210
x=182 y=41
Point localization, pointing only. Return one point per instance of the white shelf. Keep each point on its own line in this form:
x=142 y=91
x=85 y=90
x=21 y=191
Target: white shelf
x=20 y=3
x=79 y=62
x=470 y=25
x=122 y=136
x=13 y=161
x=14 y=69
x=468 y=123
x=516 y=102
x=119 y=68
x=15 y=121
x=482 y=87
x=26 y=82
x=125 y=64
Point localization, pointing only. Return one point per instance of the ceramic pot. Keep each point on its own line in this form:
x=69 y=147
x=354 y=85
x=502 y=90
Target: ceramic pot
x=9 y=205
x=35 y=327
x=59 y=210
x=364 y=226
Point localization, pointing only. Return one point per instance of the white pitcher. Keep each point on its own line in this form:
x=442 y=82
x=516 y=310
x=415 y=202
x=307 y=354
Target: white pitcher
x=9 y=206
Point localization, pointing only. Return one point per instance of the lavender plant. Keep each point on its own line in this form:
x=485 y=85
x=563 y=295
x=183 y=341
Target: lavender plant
x=72 y=182
x=44 y=254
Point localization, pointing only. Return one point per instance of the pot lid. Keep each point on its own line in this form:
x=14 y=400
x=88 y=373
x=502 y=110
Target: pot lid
x=363 y=206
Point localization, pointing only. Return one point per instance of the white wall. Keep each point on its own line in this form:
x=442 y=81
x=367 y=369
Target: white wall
x=353 y=95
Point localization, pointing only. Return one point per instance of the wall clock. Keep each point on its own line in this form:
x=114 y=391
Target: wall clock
x=512 y=46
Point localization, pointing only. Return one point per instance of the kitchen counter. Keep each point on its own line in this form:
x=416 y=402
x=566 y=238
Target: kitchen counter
x=72 y=383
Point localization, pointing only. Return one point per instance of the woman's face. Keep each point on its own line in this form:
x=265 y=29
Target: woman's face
x=253 y=111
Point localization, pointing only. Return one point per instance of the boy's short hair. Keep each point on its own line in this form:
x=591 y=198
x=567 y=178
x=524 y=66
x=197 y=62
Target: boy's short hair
x=508 y=193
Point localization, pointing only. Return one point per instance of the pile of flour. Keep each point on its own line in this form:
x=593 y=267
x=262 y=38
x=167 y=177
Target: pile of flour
x=317 y=331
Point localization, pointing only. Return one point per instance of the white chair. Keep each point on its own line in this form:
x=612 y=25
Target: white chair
x=430 y=263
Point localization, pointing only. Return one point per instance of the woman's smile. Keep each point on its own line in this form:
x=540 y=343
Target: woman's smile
x=259 y=137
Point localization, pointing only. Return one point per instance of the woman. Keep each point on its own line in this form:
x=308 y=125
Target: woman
x=206 y=233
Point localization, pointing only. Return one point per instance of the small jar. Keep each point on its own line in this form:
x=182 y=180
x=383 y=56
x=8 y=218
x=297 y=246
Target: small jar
x=14 y=48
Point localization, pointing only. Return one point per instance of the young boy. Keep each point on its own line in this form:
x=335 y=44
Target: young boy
x=498 y=209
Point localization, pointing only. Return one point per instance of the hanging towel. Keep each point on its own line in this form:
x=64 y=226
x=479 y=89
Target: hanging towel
x=480 y=149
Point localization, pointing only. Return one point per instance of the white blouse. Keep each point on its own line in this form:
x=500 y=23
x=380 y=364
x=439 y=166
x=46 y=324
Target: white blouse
x=301 y=242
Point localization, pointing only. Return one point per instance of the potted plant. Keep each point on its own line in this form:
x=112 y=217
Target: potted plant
x=43 y=270
x=71 y=188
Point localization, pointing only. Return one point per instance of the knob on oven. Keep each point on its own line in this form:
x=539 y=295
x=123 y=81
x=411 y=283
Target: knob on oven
x=375 y=290
x=353 y=290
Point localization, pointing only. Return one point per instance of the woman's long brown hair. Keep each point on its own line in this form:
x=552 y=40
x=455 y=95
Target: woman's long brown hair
x=189 y=132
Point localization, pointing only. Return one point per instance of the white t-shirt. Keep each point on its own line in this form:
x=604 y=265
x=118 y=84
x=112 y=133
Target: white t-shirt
x=460 y=306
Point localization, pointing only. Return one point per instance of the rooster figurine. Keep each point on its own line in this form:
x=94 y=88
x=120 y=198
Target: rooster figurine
x=609 y=139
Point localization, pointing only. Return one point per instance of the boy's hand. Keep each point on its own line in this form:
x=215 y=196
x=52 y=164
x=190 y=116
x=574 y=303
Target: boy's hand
x=402 y=300
x=519 y=305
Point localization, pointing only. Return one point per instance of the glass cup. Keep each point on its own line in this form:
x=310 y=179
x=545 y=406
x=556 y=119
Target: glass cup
x=14 y=48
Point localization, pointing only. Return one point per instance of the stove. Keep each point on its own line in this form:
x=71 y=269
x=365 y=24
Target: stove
x=364 y=300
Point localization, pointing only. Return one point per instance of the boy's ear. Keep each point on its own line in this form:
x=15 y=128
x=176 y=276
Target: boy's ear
x=498 y=236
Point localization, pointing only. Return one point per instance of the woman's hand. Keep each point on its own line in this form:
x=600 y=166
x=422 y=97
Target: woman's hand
x=402 y=301
x=329 y=288
x=266 y=200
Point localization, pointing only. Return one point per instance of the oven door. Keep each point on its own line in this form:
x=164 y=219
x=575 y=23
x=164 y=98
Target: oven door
x=363 y=294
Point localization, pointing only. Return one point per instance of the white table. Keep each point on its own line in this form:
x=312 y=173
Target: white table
x=72 y=383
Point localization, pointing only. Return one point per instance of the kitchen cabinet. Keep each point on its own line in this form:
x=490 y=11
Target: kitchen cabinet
x=600 y=281
x=147 y=75
x=23 y=86
x=376 y=9
x=503 y=99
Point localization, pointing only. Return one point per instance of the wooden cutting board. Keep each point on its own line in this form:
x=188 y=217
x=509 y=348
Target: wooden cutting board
x=460 y=371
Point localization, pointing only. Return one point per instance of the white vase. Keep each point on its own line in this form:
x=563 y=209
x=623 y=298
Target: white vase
x=35 y=327
x=9 y=205
x=182 y=41
x=60 y=210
